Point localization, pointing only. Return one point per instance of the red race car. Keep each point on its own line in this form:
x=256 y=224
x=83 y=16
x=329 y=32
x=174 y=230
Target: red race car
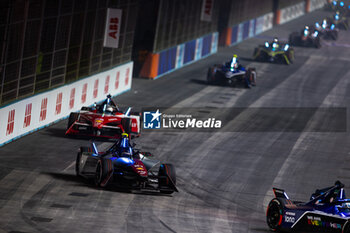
x=104 y=120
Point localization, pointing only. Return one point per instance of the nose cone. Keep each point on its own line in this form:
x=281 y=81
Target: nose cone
x=140 y=168
x=123 y=161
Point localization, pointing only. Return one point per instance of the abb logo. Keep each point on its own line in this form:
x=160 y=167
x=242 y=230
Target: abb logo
x=107 y=84
x=10 y=122
x=116 y=85
x=112 y=30
x=113 y=27
x=58 y=103
x=208 y=6
x=71 y=99
x=127 y=76
x=83 y=95
x=95 y=89
x=43 y=109
x=27 y=115
x=207 y=9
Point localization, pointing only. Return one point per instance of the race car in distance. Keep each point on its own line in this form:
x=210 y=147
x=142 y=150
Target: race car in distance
x=328 y=210
x=306 y=38
x=122 y=165
x=327 y=30
x=341 y=6
x=104 y=120
x=231 y=73
x=274 y=52
x=340 y=21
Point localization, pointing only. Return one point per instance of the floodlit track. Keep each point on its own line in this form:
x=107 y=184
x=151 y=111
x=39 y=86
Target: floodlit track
x=224 y=177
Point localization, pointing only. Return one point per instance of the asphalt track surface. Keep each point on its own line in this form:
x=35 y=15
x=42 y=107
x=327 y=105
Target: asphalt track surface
x=224 y=177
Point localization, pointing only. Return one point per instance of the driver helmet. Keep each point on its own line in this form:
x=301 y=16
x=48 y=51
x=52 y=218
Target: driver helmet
x=324 y=23
x=337 y=16
x=306 y=30
x=125 y=154
x=109 y=109
x=125 y=145
x=234 y=62
x=275 y=42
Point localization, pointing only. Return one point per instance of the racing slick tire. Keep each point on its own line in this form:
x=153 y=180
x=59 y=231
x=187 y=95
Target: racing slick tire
x=294 y=38
x=256 y=54
x=346 y=227
x=104 y=172
x=317 y=43
x=77 y=161
x=126 y=124
x=274 y=214
x=72 y=118
x=290 y=56
x=259 y=55
x=334 y=35
x=211 y=75
x=166 y=172
x=252 y=75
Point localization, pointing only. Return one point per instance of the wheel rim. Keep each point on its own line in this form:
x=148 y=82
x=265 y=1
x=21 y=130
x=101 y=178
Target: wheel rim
x=273 y=216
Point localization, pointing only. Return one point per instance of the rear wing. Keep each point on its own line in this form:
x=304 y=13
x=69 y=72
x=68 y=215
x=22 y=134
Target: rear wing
x=280 y=193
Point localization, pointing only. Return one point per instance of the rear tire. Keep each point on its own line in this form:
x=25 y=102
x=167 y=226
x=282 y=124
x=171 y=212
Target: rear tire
x=252 y=76
x=274 y=215
x=334 y=35
x=255 y=54
x=293 y=38
x=104 y=172
x=167 y=171
x=77 y=162
x=346 y=228
x=210 y=75
x=72 y=118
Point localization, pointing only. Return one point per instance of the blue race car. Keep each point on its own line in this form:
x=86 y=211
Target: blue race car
x=328 y=210
x=231 y=73
x=123 y=166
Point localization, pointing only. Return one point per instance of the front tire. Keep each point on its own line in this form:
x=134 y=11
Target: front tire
x=77 y=162
x=211 y=75
x=346 y=228
x=104 y=172
x=167 y=173
x=73 y=117
x=274 y=215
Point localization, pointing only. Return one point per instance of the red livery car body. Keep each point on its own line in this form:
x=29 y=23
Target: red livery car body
x=104 y=120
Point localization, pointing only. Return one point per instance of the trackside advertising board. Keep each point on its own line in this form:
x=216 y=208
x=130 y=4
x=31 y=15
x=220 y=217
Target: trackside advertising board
x=207 y=10
x=41 y=110
x=112 y=30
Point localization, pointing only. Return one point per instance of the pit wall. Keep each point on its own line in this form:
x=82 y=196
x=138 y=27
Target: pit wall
x=36 y=112
x=161 y=63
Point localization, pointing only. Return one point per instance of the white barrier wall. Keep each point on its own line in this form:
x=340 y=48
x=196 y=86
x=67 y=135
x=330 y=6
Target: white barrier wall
x=41 y=110
x=268 y=21
x=317 y=4
x=289 y=13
